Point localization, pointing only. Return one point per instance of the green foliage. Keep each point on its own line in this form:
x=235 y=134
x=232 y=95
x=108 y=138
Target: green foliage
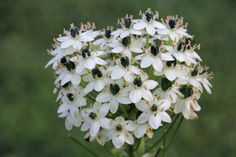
x=28 y=121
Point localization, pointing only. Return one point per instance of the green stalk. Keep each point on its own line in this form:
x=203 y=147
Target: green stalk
x=147 y=41
x=163 y=136
x=83 y=146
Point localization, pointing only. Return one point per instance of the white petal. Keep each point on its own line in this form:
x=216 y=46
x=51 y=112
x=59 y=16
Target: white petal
x=103 y=97
x=99 y=85
x=150 y=30
x=89 y=64
x=76 y=79
x=131 y=125
x=124 y=34
x=146 y=61
x=135 y=95
x=117 y=73
x=94 y=129
x=67 y=43
x=150 y=84
x=170 y=75
x=66 y=79
x=123 y=100
x=147 y=95
x=114 y=106
x=99 y=61
x=158 y=25
x=142 y=118
x=140 y=131
x=167 y=57
x=154 y=122
x=142 y=106
x=117 y=50
x=89 y=87
x=140 y=25
x=68 y=124
x=105 y=123
x=157 y=65
x=103 y=110
x=165 y=117
x=118 y=141
x=129 y=138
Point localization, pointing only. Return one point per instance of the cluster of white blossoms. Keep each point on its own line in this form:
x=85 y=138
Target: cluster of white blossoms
x=125 y=83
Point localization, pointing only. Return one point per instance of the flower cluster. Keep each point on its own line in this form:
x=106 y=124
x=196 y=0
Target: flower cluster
x=125 y=83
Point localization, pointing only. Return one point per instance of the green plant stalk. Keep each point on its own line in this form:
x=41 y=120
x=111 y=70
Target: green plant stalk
x=83 y=146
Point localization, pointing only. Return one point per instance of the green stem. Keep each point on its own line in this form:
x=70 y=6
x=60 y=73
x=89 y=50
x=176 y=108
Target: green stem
x=83 y=146
x=163 y=136
x=175 y=133
x=147 y=41
x=130 y=151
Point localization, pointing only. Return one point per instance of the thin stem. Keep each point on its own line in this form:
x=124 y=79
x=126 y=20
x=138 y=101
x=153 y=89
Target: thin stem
x=175 y=133
x=147 y=41
x=158 y=152
x=161 y=138
x=164 y=148
x=130 y=151
x=83 y=146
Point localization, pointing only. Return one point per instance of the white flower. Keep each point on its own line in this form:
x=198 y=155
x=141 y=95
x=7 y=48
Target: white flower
x=126 y=46
x=143 y=129
x=96 y=80
x=154 y=112
x=127 y=28
x=94 y=118
x=189 y=56
x=153 y=57
x=88 y=60
x=148 y=23
x=114 y=96
x=173 y=29
x=105 y=40
x=125 y=70
x=75 y=38
x=120 y=132
x=68 y=74
x=141 y=89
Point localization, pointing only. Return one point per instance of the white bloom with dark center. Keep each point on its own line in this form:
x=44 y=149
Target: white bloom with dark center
x=94 y=118
x=96 y=80
x=141 y=89
x=105 y=40
x=124 y=70
x=148 y=23
x=173 y=29
x=75 y=38
x=115 y=96
x=120 y=132
x=67 y=74
x=154 y=112
x=126 y=46
x=127 y=28
x=183 y=55
x=152 y=57
x=143 y=129
x=89 y=60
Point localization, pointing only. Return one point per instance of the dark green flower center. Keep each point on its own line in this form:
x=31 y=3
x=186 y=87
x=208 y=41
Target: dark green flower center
x=172 y=23
x=70 y=96
x=138 y=81
x=181 y=46
x=194 y=72
x=170 y=63
x=96 y=72
x=93 y=115
x=66 y=84
x=119 y=127
x=114 y=88
x=70 y=65
x=165 y=84
x=127 y=22
x=124 y=61
x=187 y=91
x=126 y=41
x=149 y=16
x=154 y=108
x=86 y=53
x=63 y=61
x=108 y=33
x=74 y=31
x=154 y=50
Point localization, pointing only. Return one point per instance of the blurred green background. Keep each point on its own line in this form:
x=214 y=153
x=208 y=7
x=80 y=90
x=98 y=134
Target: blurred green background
x=29 y=126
